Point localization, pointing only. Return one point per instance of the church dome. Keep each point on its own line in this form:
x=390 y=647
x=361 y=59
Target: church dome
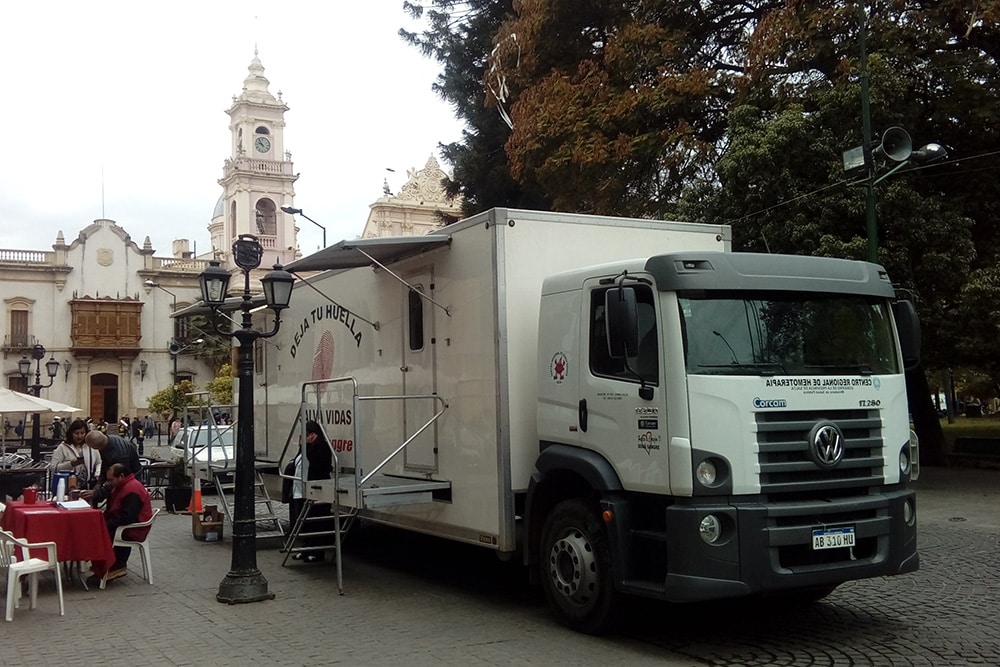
x=220 y=208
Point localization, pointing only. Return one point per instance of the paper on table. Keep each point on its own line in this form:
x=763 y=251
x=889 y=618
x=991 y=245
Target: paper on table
x=75 y=505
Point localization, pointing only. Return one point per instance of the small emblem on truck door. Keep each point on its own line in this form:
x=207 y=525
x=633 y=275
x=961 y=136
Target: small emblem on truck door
x=827 y=445
x=559 y=367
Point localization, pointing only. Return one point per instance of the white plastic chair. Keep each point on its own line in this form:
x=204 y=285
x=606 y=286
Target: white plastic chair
x=19 y=565
x=143 y=546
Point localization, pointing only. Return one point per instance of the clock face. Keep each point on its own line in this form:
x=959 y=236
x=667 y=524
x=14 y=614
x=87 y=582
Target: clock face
x=262 y=144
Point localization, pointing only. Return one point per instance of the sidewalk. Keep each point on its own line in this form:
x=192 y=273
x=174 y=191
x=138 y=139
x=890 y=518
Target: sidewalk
x=429 y=613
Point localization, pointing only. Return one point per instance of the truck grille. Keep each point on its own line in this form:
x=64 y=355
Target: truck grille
x=787 y=472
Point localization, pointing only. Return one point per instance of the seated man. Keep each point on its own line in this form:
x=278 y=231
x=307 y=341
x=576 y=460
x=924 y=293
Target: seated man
x=129 y=503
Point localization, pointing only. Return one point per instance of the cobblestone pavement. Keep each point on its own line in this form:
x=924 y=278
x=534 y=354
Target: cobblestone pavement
x=413 y=600
x=943 y=614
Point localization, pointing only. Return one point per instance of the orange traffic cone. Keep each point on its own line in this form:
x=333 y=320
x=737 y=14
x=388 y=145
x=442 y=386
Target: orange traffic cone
x=194 y=507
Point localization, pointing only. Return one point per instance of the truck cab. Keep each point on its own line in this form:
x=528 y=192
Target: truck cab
x=717 y=425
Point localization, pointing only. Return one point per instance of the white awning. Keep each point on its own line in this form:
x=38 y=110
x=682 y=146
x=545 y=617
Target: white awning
x=386 y=250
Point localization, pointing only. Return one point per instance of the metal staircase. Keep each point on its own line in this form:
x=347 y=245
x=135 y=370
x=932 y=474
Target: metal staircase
x=351 y=491
x=209 y=456
x=267 y=520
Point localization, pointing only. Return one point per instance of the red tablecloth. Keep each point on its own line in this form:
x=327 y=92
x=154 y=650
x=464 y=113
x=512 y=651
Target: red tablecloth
x=79 y=534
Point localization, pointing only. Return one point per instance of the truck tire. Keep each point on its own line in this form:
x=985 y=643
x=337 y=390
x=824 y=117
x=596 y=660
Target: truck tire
x=576 y=568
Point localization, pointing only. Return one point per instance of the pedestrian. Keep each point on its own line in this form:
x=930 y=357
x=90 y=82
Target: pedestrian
x=148 y=427
x=57 y=429
x=175 y=428
x=136 y=432
x=19 y=429
x=320 y=459
x=114 y=449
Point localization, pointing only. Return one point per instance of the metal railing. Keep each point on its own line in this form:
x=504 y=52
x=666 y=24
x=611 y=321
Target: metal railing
x=307 y=394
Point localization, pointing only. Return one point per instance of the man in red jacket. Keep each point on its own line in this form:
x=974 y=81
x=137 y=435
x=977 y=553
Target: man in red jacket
x=129 y=503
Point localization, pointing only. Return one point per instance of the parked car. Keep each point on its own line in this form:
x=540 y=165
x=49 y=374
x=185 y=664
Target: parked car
x=204 y=447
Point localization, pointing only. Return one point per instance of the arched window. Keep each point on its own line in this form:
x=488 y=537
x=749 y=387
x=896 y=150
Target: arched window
x=232 y=219
x=267 y=217
x=262 y=130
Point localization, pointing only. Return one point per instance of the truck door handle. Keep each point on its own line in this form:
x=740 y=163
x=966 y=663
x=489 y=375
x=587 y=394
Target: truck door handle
x=583 y=415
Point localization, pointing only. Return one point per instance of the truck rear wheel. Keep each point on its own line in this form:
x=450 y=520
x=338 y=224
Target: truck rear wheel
x=576 y=568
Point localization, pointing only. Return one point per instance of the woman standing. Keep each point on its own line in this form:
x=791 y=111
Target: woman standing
x=73 y=455
x=320 y=459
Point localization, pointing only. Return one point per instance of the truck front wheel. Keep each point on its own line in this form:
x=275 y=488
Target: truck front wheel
x=576 y=568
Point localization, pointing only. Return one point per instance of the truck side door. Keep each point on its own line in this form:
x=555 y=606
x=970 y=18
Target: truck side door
x=629 y=431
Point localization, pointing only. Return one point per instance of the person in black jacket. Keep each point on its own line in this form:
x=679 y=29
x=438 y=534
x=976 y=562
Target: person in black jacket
x=320 y=459
x=114 y=449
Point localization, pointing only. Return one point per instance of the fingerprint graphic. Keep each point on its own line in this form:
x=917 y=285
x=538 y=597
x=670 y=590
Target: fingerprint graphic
x=323 y=360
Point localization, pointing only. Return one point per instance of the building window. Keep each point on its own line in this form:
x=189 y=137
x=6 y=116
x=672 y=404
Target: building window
x=267 y=217
x=19 y=328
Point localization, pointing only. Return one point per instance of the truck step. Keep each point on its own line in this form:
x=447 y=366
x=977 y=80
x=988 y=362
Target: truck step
x=379 y=491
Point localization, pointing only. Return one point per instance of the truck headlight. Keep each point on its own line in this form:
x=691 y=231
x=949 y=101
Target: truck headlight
x=904 y=460
x=710 y=529
x=706 y=473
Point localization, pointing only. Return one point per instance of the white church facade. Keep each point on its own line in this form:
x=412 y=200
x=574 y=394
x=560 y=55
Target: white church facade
x=100 y=303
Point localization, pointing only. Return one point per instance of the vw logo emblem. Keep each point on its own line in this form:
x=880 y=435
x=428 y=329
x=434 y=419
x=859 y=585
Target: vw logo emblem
x=826 y=445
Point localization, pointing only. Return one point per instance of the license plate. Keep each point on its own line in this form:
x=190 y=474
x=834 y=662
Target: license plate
x=833 y=538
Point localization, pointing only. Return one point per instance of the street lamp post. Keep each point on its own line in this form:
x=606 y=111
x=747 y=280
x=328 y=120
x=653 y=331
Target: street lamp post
x=244 y=582
x=298 y=211
x=24 y=368
x=895 y=145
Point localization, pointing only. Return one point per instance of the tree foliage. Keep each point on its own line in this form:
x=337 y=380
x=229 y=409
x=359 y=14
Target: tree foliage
x=221 y=386
x=172 y=400
x=459 y=35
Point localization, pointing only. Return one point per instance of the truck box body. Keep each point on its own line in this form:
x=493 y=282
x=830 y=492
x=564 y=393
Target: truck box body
x=477 y=349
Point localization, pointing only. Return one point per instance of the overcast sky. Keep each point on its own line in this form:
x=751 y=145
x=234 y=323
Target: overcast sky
x=117 y=110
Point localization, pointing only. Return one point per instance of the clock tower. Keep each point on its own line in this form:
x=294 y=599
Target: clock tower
x=257 y=178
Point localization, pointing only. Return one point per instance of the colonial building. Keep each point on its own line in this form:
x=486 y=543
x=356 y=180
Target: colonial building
x=100 y=304
x=420 y=206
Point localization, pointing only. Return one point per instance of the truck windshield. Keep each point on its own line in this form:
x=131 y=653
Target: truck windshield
x=787 y=333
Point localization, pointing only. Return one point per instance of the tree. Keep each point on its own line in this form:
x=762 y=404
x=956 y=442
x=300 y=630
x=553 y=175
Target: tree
x=459 y=35
x=171 y=401
x=616 y=106
x=221 y=387
x=979 y=312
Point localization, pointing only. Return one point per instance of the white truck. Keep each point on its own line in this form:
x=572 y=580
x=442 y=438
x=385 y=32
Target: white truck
x=626 y=404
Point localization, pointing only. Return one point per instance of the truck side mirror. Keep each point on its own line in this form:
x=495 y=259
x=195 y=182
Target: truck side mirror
x=622 y=322
x=908 y=326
